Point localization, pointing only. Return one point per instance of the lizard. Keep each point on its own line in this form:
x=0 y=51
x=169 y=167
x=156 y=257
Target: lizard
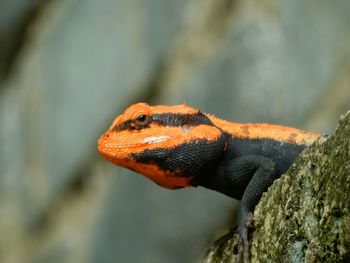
x=179 y=146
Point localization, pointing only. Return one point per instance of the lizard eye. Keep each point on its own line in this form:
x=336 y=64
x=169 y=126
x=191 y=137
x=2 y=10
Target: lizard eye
x=142 y=120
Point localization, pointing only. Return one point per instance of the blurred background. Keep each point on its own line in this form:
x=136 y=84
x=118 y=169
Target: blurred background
x=67 y=68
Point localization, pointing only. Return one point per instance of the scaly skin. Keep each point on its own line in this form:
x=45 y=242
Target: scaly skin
x=179 y=146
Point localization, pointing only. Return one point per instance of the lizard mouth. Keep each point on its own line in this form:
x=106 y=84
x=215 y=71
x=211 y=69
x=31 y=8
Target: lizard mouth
x=107 y=143
x=117 y=149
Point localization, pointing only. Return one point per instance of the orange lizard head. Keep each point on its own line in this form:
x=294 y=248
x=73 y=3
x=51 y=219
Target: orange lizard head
x=167 y=144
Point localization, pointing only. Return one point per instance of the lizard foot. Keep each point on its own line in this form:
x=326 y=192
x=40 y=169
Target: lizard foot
x=234 y=246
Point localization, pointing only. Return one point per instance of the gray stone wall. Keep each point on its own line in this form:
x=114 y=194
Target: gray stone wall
x=83 y=61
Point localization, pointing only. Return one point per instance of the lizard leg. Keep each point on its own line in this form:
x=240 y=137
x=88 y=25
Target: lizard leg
x=262 y=178
x=244 y=178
